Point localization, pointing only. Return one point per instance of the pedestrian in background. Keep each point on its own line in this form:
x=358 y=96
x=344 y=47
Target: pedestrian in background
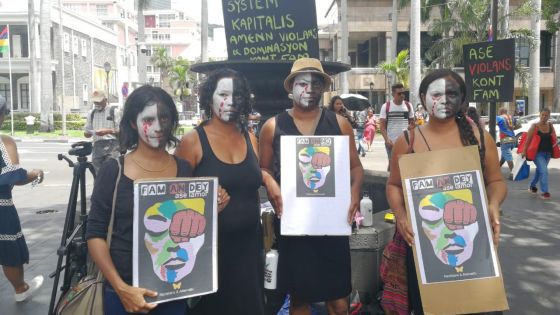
x=443 y=92
x=336 y=105
x=547 y=135
x=13 y=248
x=420 y=115
x=370 y=127
x=395 y=116
x=102 y=125
x=507 y=138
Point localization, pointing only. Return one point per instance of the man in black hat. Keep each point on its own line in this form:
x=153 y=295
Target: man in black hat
x=303 y=271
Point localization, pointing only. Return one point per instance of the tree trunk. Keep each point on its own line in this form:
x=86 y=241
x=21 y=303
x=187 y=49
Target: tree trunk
x=47 y=124
x=415 y=61
x=534 y=61
x=556 y=105
x=34 y=106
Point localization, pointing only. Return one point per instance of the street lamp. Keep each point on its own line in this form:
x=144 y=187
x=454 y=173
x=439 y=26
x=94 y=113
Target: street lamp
x=107 y=67
x=371 y=86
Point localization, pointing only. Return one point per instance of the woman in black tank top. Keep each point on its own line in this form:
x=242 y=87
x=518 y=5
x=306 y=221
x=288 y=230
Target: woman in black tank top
x=545 y=130
x=443 y=93
x=222 y=147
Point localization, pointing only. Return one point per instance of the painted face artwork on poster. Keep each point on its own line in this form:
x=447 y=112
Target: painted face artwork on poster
x=450 y=220
x=315 y=185
x=316 y=172
x=174 y=244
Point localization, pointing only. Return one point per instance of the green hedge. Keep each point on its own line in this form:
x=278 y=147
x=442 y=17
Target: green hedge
x=73 y=121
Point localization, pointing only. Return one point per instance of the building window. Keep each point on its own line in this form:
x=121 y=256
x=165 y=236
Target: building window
x=522 y=52
x=164 y=20
x=149 y=68
x=73 y=6
x=84 y=48
x=75 y=45
x=66 y=43
x=547 y=49
x=101 y=9
x=5 y=91
x=108 y=25
x=24 y=95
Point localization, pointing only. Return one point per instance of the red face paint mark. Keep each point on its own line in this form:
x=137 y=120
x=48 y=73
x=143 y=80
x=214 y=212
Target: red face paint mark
x=145 y=126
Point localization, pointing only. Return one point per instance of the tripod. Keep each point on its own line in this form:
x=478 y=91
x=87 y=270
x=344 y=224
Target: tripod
x=73 y=249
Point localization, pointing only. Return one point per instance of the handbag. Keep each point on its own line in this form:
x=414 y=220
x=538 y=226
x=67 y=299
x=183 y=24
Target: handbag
x=520 y=169
x=555 y=148
x=392 y=270
x=86 y=297
x=533 y=146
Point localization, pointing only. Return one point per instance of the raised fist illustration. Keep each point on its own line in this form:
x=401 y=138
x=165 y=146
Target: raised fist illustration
x=458 y=213
x=185 y=225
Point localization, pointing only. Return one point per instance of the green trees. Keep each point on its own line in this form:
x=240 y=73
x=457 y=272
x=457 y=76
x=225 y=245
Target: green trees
x=180 y=78
x=398 y=68
x=163 y=62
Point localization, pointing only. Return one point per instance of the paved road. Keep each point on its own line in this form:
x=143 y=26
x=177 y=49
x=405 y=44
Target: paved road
x=529 y=250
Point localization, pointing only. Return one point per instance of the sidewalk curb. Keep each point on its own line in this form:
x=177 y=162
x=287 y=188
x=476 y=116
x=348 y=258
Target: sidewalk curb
x=32 y=140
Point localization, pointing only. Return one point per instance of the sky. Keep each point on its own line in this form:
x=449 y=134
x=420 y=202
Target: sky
x=215 y=16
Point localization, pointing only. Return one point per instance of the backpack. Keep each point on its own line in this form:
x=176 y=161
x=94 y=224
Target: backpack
x=388 y=106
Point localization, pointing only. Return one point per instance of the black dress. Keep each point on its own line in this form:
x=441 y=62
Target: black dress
x=240 y=249
x=312 y=268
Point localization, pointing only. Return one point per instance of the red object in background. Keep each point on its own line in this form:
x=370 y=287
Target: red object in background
x=150 y=21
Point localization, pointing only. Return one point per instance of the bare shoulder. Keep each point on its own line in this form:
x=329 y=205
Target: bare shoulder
x=267 y=130
x=344 y=125
x=11 y=148
x=189 y=148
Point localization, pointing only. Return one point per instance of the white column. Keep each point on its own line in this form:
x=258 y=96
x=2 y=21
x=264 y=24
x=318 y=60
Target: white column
x=415 y=61
x=344 y=44
x=534 y=61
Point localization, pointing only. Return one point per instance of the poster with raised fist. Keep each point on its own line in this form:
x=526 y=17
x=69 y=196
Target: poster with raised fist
x=174 y=237
x=451 y=222
x=457 y=265
x=315 y=185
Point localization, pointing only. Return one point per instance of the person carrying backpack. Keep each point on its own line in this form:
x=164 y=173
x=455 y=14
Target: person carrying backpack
x=395 y=116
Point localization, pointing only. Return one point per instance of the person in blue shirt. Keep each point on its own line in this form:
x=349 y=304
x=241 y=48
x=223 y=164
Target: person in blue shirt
x=507 y=137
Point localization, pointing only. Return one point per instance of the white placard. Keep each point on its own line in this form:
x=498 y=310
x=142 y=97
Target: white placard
x=315 y=184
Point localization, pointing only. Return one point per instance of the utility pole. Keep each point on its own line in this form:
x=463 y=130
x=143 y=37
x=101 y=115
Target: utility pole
x=492 y=111
x=61 y=33
x=394 y=31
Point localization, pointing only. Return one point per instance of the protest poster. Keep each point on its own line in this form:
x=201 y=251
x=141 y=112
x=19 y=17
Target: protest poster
x=490 y=70
x=174 y=237
x=315 y=185
x=453 y=250
x=271 y=29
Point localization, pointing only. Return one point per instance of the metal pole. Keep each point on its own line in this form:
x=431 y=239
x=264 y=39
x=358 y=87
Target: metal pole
x=10 y=72
x=492 y=113
x=344 y=44
x=204 y=31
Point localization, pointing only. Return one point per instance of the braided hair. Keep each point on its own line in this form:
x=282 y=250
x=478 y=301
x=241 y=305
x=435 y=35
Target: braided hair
x=466 y=132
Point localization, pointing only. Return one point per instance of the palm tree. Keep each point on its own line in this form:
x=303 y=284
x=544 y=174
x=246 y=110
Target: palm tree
x=179 y=78
x=399 y=68
x=47 y=124
x=161 y=59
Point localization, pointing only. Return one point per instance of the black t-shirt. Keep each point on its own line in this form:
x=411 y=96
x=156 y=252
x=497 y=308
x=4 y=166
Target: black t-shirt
x=100 y=213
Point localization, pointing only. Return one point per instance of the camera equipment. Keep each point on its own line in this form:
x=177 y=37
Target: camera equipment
x=73 y=245
x=82 y=148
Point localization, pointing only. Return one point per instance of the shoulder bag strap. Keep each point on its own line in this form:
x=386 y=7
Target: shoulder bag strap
x=112 y=220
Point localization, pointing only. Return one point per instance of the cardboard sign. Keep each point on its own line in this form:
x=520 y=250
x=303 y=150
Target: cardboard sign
x=456 y=262
x=270 y=29
x=315 y=177
x=174 y=237
x=490 y=70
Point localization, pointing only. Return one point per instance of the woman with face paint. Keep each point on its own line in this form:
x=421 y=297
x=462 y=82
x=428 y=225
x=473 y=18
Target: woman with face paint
x=222 y=147
x=443 y=94
x=146 y=131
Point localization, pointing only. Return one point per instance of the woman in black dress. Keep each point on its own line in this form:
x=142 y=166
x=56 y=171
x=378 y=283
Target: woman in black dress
x=221 y=146
x=146 y=130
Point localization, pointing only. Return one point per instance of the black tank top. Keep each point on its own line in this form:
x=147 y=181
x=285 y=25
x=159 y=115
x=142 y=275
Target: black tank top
x=285 y=126
x=546 y=140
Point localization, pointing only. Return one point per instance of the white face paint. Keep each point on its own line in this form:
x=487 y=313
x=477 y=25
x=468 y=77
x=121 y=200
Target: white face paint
x=222 y=100
x=149 y=128
x=307 y=90
x=436 y=102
